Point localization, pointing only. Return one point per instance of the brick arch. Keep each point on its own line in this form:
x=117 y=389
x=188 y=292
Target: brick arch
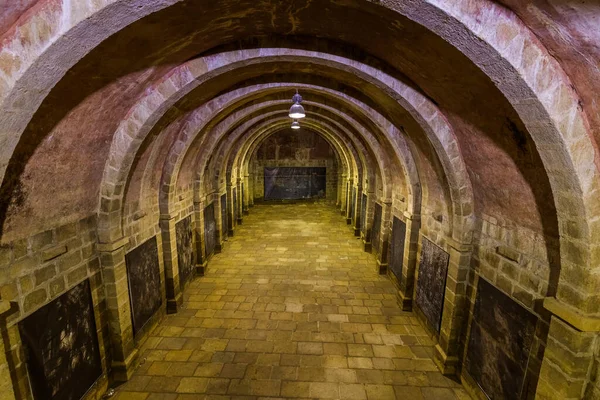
x=171 y=170
x=352 y=160
x=152 y=106
x=246 y=147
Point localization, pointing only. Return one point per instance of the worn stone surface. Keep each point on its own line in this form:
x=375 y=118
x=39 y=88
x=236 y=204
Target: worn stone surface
x=143 y=274
x=290 y=308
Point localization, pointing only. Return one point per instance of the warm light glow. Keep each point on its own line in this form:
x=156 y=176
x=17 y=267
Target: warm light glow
x=297 y=111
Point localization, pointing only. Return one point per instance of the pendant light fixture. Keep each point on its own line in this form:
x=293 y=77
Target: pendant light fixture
x=295 y=125
x=297 y=111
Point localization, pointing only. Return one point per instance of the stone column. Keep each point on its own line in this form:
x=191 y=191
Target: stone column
x=384 y=235
x=169 y=245
x=455 y=310
x=114 y=273
x=6 y=383
x=409 y=262
x=569 y=355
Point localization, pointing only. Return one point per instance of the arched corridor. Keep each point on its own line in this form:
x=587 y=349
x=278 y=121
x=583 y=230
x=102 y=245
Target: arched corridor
x=442 y=191
x=292 y=307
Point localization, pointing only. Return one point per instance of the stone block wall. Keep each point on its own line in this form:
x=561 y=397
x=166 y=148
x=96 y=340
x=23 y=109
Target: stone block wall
x=35 y=271
x=331 y=175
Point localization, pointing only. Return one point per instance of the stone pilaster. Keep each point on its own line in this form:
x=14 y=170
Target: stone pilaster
x=201 y=262
x=246 y=202
x=409 y=263
x=366 y=235
x=240 y=198
x=6 y=382
x=230 y=210
x=569 y=355
x=447 y=350
x=114 y=272
x=169 y=245
x=349 y=201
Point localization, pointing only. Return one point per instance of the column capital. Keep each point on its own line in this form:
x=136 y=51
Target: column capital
x=459 y=246
x=112 y=246
x=412 y=217
x=166 y=217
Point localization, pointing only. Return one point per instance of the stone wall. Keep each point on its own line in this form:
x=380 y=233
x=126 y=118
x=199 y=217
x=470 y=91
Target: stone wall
x=294 y=149
x=36 y=271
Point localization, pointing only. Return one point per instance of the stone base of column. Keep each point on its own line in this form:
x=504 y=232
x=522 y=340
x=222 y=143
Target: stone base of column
x=230 y=232
x=448 y=365
x=219 y=248
x=123 y=370
x=349 y=221
x=342 y=212
x=382 y=268
x=367 y=246
x=405 y=302
x=246 y=212
x=174 y=304
x=201 y=268
x=357 y=232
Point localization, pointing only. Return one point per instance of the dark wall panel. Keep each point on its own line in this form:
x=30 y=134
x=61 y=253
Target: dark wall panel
x=501 y=336
x=210 y=229
x=289 y=183
x=363 y=216
x=143 y=273
x=431 y=283
x=185 y=249
x=397 y=247
x=376 y=229
x=62 y=346
x=224 y=222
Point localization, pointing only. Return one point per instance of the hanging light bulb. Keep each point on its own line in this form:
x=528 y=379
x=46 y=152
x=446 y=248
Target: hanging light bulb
x=295 y=125
x=297 y=111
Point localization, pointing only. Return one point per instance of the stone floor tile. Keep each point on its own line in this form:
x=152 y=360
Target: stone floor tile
x=291 y=307
x=324 y=390
x=353 y=391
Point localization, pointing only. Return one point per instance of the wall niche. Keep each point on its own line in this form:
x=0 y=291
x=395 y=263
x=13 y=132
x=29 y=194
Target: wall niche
x=63 y=357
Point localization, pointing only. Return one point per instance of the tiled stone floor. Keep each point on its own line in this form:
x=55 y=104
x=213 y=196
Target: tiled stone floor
x=292 y=308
